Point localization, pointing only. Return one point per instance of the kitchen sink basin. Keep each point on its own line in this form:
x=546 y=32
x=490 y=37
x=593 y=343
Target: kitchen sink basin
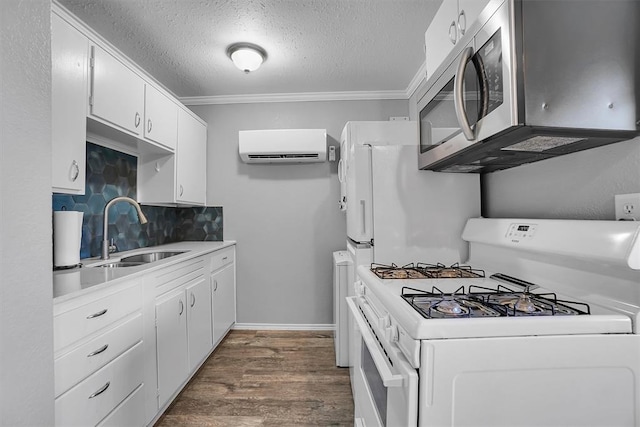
x=148 y=257
x=121 y=264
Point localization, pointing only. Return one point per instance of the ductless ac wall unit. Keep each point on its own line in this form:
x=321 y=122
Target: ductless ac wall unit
x=283 y=145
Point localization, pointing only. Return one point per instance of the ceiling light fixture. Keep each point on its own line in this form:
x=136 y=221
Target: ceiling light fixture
x=246 y=56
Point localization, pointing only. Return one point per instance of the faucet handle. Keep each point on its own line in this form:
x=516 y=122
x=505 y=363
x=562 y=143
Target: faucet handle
x=112 y=246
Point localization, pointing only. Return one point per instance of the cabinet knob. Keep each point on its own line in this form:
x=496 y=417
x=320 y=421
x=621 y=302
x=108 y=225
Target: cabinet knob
x=137 y=120
x=76 y=171
x=453 y=34
x=462 y=22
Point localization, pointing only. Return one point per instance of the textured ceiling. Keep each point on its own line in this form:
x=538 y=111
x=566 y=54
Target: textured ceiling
x=312 y=45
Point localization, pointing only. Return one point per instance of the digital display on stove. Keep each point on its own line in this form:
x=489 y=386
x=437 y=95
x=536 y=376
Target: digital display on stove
x=523 y=228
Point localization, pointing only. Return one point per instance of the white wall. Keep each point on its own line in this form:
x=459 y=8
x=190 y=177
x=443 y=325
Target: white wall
x=26 y=333
x=285 y=218
x=575 y=186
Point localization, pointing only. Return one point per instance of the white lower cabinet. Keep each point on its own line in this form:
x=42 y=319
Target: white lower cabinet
x=122 y=353
x=199 y=322
x=171 y=342
x=98 y=355
x=183 y=324
x=224 y=301
x=94 y=398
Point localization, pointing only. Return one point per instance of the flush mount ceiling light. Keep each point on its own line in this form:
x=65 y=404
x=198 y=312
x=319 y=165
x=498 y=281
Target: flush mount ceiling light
x=246 y=56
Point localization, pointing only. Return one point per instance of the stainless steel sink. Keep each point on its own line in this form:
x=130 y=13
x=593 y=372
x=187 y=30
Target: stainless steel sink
x=118 y=264
x=148 y=257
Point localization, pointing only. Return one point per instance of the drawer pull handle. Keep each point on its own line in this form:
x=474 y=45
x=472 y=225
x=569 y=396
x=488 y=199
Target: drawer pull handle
x=224 y=258
x=181 y=304
x=98 y=351
x=98 y=314
x=193 y=299
x=102 y=390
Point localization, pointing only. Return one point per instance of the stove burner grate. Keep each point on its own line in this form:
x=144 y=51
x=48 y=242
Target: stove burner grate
x=437 y=304
x=425 y=271
x=486 y=302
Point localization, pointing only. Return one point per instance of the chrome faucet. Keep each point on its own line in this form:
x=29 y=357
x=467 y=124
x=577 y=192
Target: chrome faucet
x=105 y=227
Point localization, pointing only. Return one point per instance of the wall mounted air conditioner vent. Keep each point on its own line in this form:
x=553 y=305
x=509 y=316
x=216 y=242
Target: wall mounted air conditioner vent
x=283 y=145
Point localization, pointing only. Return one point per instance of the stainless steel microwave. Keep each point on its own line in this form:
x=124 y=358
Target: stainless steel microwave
x=540 y=78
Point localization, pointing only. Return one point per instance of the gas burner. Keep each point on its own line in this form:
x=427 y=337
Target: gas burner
x=451 y=307
x=441 y=271
x=425 y=271
x=392 y=271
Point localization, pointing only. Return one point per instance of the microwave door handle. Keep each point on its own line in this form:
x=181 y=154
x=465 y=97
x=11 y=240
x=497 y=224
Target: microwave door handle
x=458 y=95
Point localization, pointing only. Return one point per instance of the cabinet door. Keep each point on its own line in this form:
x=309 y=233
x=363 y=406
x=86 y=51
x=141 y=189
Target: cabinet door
x=69 y=79
x=223 y=283
x=199 y=321
x=117 y=94
x=171 y=342
x=191 y=160
x=441 y=35
x=161 y=118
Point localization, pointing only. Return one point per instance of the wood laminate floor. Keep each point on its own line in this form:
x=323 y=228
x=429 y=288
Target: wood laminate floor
x=267 y=378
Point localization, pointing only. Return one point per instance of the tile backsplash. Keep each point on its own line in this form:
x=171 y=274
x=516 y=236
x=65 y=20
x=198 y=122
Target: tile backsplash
x=110 y=174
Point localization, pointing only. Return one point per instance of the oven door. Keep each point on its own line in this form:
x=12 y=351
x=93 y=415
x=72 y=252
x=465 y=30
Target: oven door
x=472 y=100
x=385 y=385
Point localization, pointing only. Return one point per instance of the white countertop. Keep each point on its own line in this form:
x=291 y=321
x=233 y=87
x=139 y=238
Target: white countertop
x=68 y=284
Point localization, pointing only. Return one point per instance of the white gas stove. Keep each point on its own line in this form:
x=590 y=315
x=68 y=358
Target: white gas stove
x=545 y=317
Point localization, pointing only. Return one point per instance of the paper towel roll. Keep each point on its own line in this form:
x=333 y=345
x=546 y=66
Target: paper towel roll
x=67 y=236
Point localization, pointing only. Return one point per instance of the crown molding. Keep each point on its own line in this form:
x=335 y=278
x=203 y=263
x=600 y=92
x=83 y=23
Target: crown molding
x=294 y=97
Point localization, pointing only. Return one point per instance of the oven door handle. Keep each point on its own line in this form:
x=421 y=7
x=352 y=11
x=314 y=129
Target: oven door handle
x=389 y=379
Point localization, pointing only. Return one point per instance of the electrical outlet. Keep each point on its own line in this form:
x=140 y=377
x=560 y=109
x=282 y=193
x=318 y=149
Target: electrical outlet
x=628 y=207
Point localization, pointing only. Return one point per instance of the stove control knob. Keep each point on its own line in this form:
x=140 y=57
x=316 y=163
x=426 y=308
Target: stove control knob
x=392 y=333
x=358 y=288
x=385 y=322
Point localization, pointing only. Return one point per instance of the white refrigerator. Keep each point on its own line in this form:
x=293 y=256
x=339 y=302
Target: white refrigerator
x=395 y=212
x=400 y=213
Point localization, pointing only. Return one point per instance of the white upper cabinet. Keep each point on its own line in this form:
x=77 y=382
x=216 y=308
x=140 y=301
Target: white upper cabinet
x=448 y=27
x=117 y=95
x=191 y=160
x=179 y=178
x=69 y=77
x=160 y=118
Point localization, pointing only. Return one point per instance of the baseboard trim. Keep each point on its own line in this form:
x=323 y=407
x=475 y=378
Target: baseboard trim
x=284 y=327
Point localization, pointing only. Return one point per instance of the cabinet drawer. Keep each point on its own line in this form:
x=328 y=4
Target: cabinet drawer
x=70 y=326
x=74 y=366
x=91 y=400
x=128 y=413
x=221 y=258
x=172 y=277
